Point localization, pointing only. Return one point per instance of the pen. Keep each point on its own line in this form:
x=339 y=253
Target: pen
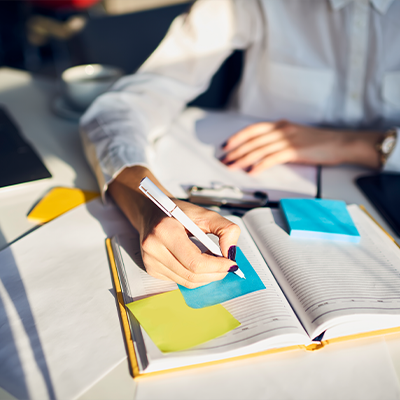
x=172 y=210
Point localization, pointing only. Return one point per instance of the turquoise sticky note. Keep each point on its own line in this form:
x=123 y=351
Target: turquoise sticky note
x=226 y=289
x=319 y=219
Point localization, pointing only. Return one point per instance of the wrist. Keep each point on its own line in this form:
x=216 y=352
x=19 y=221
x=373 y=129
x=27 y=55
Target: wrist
x=361 y=148
x=130 y=199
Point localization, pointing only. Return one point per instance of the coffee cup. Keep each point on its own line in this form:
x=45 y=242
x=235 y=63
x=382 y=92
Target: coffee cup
x=83 y=83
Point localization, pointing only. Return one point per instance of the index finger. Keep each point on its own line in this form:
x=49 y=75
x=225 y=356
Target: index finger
x=191 y=257
x=248 y=133
x=227 y=231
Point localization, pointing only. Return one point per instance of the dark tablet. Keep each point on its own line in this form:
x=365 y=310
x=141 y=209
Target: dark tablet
x=18 y=160
x=383 y=190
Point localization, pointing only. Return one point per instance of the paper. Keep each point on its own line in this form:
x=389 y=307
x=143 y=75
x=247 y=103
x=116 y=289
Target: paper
x=60 y=330
x=173 y=326
x=270 y=312
x=230 y=287
x=336 y=286
x=319 y=219
x=188 y=155
x=58 y=201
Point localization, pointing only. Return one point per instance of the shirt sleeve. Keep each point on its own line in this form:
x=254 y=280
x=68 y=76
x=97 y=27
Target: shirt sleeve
x=393 y=162
x=120 y=126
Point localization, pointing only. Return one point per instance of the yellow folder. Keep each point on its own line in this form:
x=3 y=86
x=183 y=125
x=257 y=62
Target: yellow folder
x=58 y=201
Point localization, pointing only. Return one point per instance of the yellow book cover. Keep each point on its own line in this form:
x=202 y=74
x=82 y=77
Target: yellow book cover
x=318 y=292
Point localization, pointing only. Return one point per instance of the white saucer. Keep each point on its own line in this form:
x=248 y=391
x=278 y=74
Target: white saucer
x=62 y=109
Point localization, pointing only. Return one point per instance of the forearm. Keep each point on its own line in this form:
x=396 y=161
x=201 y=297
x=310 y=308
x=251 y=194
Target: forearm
x=134 y=204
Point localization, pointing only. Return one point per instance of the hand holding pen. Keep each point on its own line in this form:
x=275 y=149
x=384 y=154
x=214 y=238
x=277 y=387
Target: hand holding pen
x=167 y=251
x=172 y=210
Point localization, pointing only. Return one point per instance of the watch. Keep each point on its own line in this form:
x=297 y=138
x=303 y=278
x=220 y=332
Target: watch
x=386 y=145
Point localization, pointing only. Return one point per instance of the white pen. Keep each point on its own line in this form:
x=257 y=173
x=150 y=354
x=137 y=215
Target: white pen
x=172 y=210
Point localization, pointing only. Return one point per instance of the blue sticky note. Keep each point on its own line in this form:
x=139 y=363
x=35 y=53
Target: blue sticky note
x=319 y=219
x=227 y=289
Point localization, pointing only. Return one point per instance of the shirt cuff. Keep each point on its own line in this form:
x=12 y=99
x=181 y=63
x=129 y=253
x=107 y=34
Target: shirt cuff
x=111 y=161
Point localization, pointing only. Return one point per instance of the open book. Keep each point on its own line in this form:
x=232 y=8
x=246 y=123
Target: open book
x=315 y=291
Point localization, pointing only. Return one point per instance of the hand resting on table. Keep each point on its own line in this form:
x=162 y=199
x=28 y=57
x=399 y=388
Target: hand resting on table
x=264 y=144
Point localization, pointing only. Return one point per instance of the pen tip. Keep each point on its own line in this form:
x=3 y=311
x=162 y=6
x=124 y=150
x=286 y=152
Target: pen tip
x=240 y=274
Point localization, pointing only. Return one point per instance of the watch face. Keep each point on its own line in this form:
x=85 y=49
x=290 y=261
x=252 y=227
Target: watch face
x=388 y=144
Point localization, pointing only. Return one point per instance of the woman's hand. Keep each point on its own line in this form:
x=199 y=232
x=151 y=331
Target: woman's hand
x=167 y=251
x=264 y=144
x=169 y=254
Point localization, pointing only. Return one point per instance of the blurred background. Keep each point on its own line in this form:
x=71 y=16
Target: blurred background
x=45 y=37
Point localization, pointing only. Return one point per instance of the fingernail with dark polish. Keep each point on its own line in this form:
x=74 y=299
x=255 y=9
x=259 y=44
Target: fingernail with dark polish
x=222 y=158
x=229 y=162
x=232 y=253
x=224 y=144
x=248 y=169
x=233 y=268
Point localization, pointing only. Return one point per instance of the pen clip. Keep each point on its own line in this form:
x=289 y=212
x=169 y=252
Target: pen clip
x=154 y=200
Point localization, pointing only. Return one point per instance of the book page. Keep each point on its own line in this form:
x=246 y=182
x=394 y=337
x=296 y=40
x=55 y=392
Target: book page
x=331 y=284
x=188 y=155
x=265 y=315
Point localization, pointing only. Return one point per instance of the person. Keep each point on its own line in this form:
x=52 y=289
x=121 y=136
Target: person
x=323 y=74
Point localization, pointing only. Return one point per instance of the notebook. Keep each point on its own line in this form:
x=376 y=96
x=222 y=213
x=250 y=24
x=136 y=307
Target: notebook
x=316 y=292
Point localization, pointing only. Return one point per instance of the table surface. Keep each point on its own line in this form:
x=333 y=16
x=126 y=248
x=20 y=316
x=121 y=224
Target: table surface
x=28 y=99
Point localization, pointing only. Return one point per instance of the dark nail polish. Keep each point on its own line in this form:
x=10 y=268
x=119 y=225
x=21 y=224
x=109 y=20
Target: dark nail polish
x=233 y=268
x=229 y=162
x=248 y=169
x=232 y=253
x=224 y=144
x=222 y=158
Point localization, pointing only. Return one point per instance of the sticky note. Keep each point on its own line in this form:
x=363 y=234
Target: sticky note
x=230 y=287
x=319 y=219
x=58 y=201
x=173 y=326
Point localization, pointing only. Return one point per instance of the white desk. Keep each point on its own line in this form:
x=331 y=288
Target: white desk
x=328 y=373
x=56 y=140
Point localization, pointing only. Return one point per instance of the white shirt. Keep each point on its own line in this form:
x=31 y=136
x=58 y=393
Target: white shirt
x=321 y=62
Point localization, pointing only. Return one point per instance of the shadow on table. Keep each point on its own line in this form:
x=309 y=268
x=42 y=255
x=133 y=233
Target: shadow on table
x=15 y=306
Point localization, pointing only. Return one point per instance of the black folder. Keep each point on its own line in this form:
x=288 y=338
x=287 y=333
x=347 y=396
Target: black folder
x=383 y=190
x=19 y=162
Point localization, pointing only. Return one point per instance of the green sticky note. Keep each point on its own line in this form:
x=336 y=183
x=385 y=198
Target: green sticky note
x=174 y=326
